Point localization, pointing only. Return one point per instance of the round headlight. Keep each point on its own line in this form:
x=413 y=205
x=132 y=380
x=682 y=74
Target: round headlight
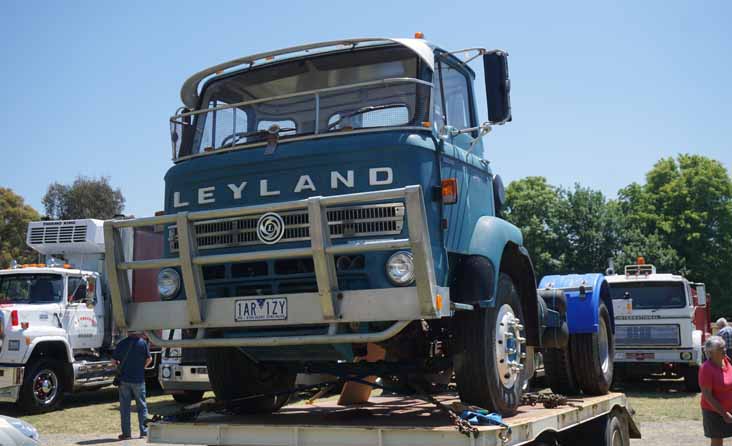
x=400 y=268
x=166 y=372
x=168 y=283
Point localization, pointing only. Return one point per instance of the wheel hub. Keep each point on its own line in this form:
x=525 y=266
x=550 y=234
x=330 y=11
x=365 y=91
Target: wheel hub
x=45 y=386
x=510 y=346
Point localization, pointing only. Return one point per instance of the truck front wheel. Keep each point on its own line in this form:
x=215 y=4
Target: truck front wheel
x=593 y=355
x=43 y=387
x=234 y=376
x=489 y=368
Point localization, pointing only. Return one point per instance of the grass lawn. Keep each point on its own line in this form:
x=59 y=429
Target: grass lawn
x=91 y=412
x=662 y=400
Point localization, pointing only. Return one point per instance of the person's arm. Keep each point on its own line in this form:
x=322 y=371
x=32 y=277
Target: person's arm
x=149 y=356
x=712 y=400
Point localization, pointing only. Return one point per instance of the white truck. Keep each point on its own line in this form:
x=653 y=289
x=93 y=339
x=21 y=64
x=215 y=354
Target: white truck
x=183 y=372
x=56 y=328
x=661 y=322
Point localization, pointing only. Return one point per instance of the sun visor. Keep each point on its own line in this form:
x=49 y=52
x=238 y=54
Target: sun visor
x=189 y=91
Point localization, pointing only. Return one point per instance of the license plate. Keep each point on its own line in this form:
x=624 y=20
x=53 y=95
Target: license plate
x=264 y=309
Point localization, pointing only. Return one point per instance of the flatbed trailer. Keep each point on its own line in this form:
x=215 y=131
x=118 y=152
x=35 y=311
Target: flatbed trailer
x=405 y=421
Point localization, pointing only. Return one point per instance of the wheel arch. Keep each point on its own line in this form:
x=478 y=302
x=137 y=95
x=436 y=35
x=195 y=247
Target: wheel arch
x=54 y=348
x=501 y=243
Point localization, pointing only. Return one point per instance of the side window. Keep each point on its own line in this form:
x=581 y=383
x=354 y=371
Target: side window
x=76 y=289
x=457 y=98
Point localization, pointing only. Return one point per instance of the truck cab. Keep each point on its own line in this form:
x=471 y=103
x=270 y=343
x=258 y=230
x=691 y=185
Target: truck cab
x=333 y=195
x=56 y=329
x=657 y=323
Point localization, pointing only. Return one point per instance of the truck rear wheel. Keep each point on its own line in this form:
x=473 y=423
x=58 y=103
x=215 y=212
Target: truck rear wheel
x=188 y=396
x=559 y=372
x=43 y=387
x=489 y=362
x=592 y=356
x=233 y=375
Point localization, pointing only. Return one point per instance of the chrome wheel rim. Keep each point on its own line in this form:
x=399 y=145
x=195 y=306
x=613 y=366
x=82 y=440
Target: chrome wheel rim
x=45 y=386
x=604 y=347
x=510 y=346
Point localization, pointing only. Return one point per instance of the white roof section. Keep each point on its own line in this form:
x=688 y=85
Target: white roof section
x=620 y=278
x=84 y=236
x=43 y=270
x=189 y=91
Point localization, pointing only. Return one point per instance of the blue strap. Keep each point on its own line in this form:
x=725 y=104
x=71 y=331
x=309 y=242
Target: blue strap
x=484 y=418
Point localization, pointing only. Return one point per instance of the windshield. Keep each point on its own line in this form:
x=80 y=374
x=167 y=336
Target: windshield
x=358 y=89
x=651 y=295
x=31 y=288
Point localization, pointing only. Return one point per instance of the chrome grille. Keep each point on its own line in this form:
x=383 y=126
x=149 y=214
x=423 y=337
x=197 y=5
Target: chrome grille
x=637 y=335
x=355 y=221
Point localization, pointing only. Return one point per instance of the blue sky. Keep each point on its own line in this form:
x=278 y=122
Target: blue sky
x=599 y=91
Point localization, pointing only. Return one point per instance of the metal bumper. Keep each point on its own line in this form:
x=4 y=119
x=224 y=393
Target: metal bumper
x=329 y=305
x=11 y=379
x=663 y=356
x=175 y=377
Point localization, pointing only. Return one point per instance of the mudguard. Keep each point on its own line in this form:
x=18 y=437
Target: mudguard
x=584 y=293
x=44 y=339
x=489 y=239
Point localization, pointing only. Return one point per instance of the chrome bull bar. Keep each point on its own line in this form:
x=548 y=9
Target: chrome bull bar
x=329 y=305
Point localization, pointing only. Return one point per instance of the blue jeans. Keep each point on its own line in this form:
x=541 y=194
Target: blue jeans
x=127 y=391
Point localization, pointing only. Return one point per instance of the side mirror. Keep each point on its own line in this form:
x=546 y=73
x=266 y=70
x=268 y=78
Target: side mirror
x=497 y=86
x=90 y=297
x=701 y=294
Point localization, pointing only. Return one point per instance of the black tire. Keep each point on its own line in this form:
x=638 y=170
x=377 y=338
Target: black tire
x=476 y=362
x=188 y=396
x=691 y=379
x=233 y=375
x=559 y=372
x=593 y=364
x=43 y=387
x=609 y=430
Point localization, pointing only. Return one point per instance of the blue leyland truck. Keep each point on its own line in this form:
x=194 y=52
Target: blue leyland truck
x=329 y=196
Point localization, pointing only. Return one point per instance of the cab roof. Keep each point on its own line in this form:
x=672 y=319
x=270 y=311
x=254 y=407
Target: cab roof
x=189 y=93
x=43 y=270
x=619 y=278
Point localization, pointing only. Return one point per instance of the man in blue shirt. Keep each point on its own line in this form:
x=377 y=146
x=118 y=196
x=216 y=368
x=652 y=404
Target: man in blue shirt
x=725 y=332
x=131 y=356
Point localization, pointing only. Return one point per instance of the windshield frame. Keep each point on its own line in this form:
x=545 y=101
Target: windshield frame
x=49 y=275
x=651 y=284
x=423 y=77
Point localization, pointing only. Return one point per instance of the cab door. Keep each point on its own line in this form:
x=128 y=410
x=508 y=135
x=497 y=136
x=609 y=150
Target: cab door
x=79 y=319
x=454 y=109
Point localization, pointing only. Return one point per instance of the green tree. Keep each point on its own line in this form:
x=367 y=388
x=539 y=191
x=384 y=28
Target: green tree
x=85 y=198
x=14 y=218
x=687 y=203
x=532 y=205
x=588 y=229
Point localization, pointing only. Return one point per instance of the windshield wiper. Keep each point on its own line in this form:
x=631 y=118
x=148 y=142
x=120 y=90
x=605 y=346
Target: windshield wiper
x=273 y=131
x=361 y=111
